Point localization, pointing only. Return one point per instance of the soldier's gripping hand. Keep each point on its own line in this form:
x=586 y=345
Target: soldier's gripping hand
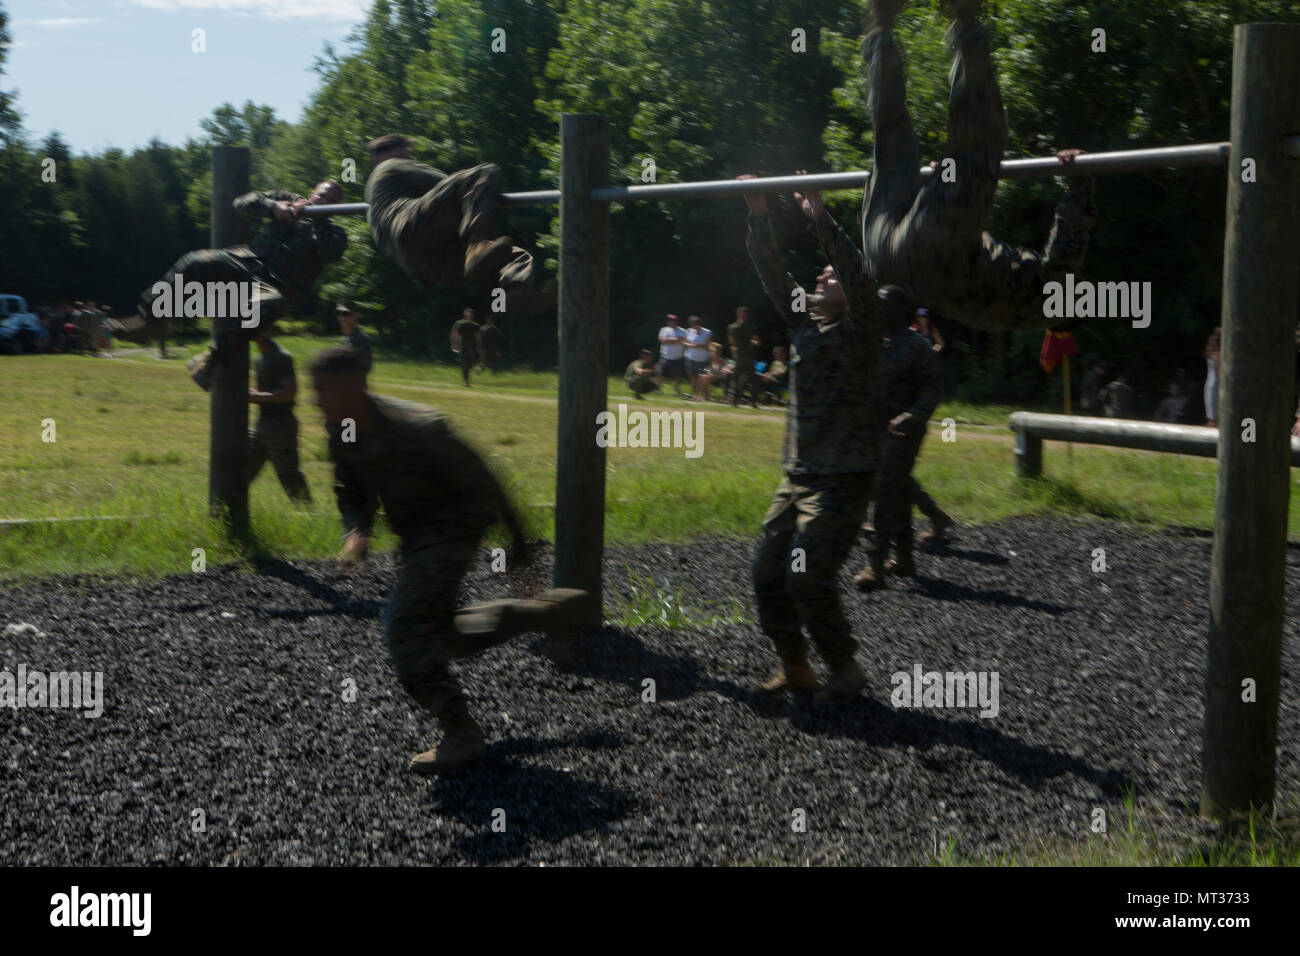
x=284 y=212
x=1066 y=156
x=810 y=200
x=354 y=550
x=900 y=426
x=756 y=202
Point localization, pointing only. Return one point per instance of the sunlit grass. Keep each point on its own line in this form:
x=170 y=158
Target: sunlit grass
x=146 y=458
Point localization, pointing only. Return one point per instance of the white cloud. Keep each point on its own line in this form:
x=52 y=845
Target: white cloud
x=56 y=23
x=348 y=10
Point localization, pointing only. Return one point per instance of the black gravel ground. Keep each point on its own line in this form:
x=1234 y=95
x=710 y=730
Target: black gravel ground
x=224 y=694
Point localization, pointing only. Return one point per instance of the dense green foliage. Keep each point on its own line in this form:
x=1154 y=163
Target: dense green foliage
x=705 y=89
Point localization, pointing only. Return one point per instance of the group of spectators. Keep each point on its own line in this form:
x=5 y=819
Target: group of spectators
x=693 y=355
x=1104 y=393
x=75 y=327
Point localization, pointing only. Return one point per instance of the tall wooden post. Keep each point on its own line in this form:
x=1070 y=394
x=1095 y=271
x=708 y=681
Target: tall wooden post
x=1261 y=300
x=228 y=441
x=584 y=356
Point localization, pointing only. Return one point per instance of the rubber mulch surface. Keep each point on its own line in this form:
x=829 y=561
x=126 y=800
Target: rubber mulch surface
x=225 y=706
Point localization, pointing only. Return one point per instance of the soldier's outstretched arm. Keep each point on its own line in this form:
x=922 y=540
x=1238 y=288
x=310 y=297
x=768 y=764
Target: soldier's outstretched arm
x=777 y=283
x=261 y=205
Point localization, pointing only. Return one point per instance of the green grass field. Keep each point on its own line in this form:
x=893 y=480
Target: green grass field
x=131 y=441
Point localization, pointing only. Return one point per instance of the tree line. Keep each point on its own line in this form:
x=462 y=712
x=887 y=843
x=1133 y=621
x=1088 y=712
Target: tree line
x=703 y=89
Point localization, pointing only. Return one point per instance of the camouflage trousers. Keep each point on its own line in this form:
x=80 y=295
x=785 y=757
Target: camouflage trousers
x=275 y=438
x=743 y=382
x=235 y=264
x=431 y=234
x=425 y=630
x=896 y=490
x=927 y=236
x=809 y=530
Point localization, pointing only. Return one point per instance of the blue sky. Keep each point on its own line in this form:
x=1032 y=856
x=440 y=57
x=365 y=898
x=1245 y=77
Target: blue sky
x=119 y=72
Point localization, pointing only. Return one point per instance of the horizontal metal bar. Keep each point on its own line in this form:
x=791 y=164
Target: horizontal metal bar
x=1123 y=433
x=1119 y=161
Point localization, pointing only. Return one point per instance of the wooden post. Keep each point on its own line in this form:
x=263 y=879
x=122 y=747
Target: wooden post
x=584 y=356
x=1261 y=299
x=1029 y=455
x=228 y=439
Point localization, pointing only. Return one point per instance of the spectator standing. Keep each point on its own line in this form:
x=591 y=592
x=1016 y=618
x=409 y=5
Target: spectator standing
x=698 y=342
x=1212 y=378
x=672 y=354
x=1118 y=399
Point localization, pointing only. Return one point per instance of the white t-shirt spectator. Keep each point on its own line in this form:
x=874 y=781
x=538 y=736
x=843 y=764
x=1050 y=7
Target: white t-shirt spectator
x=672 y=349
x=697 y=344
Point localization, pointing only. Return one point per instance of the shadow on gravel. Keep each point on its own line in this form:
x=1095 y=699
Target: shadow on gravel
x=942 y=590
x=881 y=726
x=338 y=603
x=615 y=655
x=541 y=805
x=966 y=554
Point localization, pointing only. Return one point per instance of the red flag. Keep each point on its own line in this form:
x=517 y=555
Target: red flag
x=1056 y=345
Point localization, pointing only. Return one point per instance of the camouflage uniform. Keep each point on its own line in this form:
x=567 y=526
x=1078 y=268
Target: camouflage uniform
x=275 y=436
x=465 y=334
x=359 y=342
x=440 y=497
x=638 y=383
x=910 y=380
x=928 y=235
x=744 y=354
x=490 y=338
x=425 y=219
x=829 y=452
x=286 y=260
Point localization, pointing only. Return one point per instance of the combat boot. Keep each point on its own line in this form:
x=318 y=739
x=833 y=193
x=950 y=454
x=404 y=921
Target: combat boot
x=568 y=608
x=845 y=682
x=795 y=674
x=939 y=526
x=901 y=564
x=486 y=257
x=462 y=744
x=872 y=576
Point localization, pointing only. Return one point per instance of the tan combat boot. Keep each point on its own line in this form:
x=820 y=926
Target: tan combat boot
x=569 y=606
x=486 y=257
x=462 y=744
x=901 y=563
x=793 y=675
x=872 y=577
x=845 y=683
x=938 y=530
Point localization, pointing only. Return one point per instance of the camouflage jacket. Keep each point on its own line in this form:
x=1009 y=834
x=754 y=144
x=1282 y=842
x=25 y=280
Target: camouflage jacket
x=429 y=480
x=830 y=425
x=910 y=381
x=293 y=255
